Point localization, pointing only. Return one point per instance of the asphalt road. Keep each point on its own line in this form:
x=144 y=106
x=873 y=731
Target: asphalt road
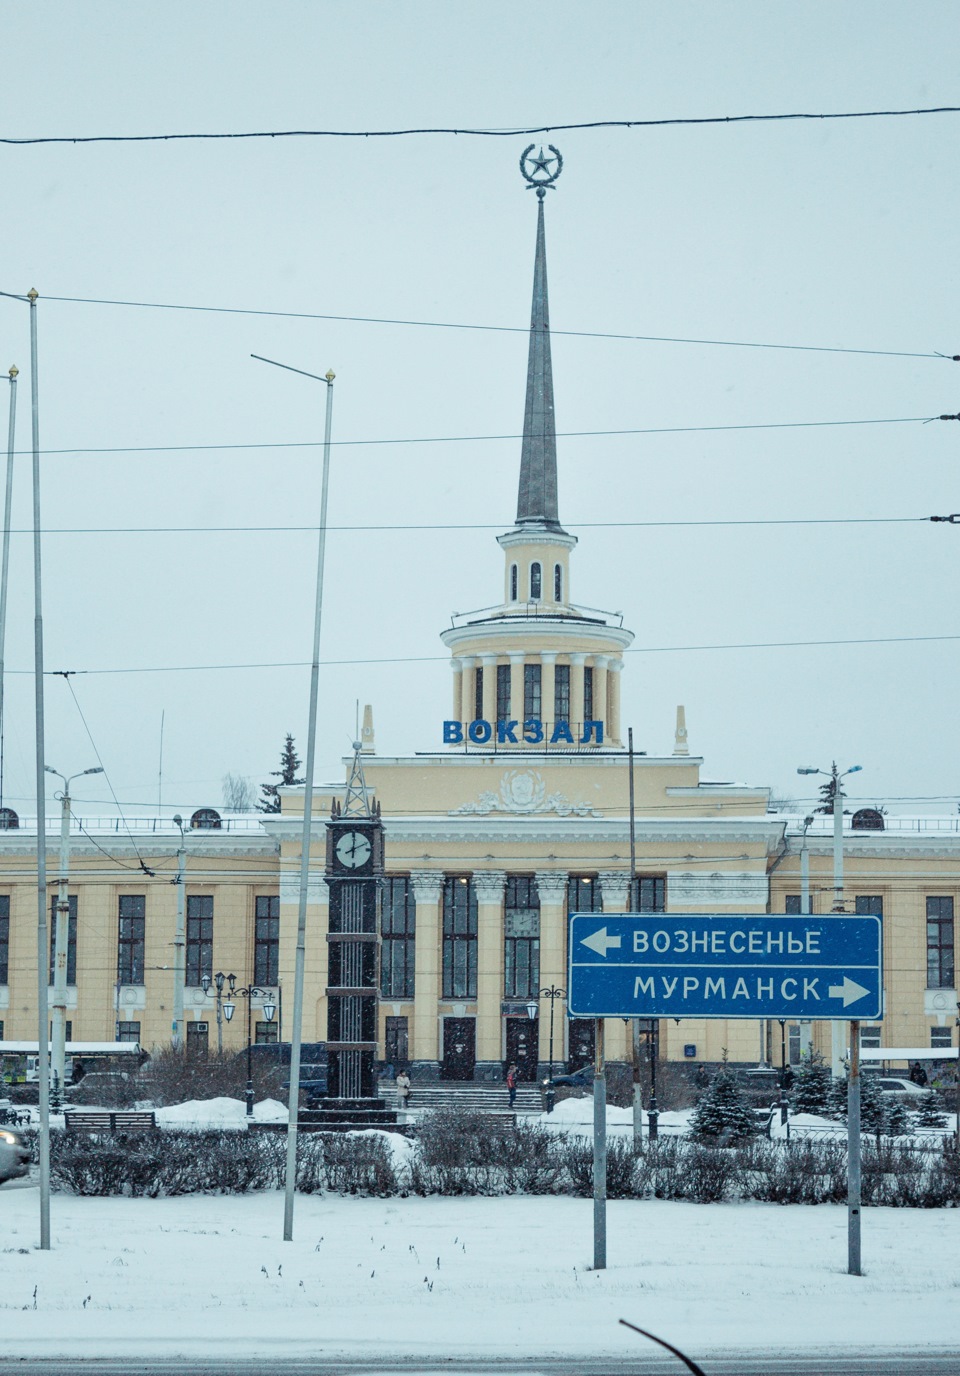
x=887 y=1363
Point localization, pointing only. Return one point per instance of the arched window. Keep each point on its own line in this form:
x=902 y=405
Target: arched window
x=558 y=582
x=9 y=821
x=513 y=582
x=867 y=819
x=536 y=591
x=206 y=819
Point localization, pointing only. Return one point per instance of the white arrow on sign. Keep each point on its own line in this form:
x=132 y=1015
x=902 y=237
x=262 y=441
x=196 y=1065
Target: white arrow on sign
x=601 y=943
x=849 y=991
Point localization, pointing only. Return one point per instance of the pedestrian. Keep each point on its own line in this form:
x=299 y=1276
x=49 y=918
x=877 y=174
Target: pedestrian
x=918 y=1075
x=702 y=1077
x=403 y=1090
x=512 y=1084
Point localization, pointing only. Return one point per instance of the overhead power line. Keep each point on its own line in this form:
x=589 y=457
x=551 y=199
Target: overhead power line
x=490 y=133
x=443 y=659
x=490 y=329
x=477 y=439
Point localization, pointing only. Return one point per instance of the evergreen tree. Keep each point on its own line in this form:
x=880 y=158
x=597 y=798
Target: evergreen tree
x=931 y=1113
x=722 y=1113
x=811 y=1088
x=879 y=1112
x=287 y=774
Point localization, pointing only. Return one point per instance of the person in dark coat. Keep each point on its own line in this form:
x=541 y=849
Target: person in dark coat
x=918 y=1075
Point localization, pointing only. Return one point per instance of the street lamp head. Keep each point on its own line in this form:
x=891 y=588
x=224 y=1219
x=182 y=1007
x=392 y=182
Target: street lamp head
x=855 y=769
x=49 y=769
x=205 y=983
x=218 y=980
x=807 y=769
x=98 y=769
x=532 y=1010
x=178 y=820
x=229 y=1009
x=269 y=1011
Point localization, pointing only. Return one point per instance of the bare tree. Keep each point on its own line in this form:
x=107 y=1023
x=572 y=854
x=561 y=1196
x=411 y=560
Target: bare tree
x=237 y=793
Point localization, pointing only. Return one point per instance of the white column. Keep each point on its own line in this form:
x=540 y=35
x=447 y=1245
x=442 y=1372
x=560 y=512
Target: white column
x=613 y=694
x=577 y=662
x=548 y=661
x=552 y=889
x=600 y=663
x=516 y=687
x=427 y=888
x=468 y=690
x=489 y=886
x=489 y=663
x=457 y=666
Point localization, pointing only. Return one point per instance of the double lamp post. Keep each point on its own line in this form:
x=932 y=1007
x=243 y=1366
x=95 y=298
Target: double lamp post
x=226 y=1009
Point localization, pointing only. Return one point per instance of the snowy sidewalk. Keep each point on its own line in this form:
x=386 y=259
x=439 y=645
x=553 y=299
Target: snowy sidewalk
x=470 y=1277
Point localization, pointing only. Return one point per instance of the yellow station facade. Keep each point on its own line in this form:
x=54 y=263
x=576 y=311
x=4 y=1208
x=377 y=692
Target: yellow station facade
x=516 y=815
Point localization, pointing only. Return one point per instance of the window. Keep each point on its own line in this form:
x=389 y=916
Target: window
x=939 y=943
x=398 y=917
x=4 y=938
x=503 y=692
x=130 y=938
x=561 y=692
x=588 y=694
x=941 y=1037
x=792 y=903
x=793 y=1042
x=521 y=938
x=869 y=905
x=266 y=1033
x=870 y=1038
x=459 y=938
x=867 y=819
x=558 y=582
x=583 y=894
x=650 y=894
x=206 y=819
x=478 y=694
x=198 y=1038
x=71 y=937
x=266 y=940
x=9 y=821
x=531 y=691
x=536 y=579
x=513 y=582
x=396 y=1049
x=127 y=1032
x=199 y=937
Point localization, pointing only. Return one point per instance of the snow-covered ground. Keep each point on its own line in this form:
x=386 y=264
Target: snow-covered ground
x=472 y=1277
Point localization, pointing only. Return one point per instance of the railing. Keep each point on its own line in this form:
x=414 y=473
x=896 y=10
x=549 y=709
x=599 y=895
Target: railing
x=540 y=611
x=137 y=825
x=823 y=826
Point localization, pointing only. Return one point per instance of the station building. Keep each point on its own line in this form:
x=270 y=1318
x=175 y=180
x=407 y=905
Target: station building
x=516 y=815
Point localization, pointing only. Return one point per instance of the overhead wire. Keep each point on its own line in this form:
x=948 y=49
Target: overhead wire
x=485 y=132
x=491 y=329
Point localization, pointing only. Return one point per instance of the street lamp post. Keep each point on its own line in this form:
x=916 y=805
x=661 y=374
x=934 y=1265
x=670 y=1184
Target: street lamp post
x=218 y=981
x=553 y=993
x=251 y=992
x=61 y=941
x=179 y=940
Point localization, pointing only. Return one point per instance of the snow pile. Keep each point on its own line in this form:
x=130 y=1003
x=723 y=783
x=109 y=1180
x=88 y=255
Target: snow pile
x=204 y=1113
x=575 y=1116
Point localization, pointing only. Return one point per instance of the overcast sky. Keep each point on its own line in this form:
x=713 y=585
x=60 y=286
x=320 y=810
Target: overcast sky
x=840 y=233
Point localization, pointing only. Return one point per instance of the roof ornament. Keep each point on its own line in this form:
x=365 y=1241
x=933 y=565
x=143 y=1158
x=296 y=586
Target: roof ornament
x=536 y=171
x=357 y=800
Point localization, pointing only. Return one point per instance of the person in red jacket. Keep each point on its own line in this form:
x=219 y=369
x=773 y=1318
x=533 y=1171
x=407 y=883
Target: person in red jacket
x=512 y=1084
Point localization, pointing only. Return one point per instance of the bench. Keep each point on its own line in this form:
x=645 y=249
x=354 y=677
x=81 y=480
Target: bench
x=109 y=1120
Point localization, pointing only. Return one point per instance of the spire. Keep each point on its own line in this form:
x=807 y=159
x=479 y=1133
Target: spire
x=357 y=801
x=537 y=497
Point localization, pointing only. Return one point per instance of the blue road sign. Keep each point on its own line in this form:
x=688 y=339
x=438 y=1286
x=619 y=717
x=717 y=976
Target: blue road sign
x=725 y=965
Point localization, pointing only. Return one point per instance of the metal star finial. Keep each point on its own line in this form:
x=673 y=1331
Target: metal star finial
x=536 y=170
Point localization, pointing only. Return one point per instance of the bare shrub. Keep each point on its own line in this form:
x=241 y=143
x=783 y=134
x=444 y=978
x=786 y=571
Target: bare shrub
x=173 y=1075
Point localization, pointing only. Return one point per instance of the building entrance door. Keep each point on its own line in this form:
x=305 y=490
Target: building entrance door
x=583 y=1033
x=523 y=1045
x=459 y=1048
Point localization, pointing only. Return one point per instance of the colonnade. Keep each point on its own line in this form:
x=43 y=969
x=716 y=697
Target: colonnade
x=606 y=688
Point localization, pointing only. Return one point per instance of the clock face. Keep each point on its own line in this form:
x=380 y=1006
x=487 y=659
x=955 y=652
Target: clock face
x=353 y=849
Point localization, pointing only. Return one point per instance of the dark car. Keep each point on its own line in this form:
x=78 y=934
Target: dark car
x=577 y=1079
x=14 y=1155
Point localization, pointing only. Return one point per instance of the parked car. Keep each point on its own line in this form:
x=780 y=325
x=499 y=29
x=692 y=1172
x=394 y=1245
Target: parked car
x=14 y=1155
x=892 y=1085
x=103 y=1089
x=577 y=1079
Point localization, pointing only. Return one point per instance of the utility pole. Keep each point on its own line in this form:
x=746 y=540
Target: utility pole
x=5 y=561
x=179 y=941
x=631 y=907
x=61 y=942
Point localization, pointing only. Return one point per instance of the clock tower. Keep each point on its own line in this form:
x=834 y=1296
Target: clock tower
x=354 y=872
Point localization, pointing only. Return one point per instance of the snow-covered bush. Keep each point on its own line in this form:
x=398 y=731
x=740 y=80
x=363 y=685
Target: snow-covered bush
x=722 y=1115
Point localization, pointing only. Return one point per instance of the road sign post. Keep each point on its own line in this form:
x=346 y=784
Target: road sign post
x=599 y=1153
x=736 y=966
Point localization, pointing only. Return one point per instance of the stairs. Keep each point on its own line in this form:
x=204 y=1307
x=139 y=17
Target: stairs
x=466 y=1096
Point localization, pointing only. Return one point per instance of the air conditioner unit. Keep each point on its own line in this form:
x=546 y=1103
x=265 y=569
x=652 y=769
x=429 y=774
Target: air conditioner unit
x=199 y=1027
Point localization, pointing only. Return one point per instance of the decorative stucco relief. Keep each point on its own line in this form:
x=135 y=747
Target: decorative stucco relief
x=721 y=889
x=523 y=791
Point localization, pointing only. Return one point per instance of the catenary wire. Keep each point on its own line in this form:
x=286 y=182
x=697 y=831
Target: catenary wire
x=435 y=659
x=486 y=132
x=484 y=439
x=495 y=329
